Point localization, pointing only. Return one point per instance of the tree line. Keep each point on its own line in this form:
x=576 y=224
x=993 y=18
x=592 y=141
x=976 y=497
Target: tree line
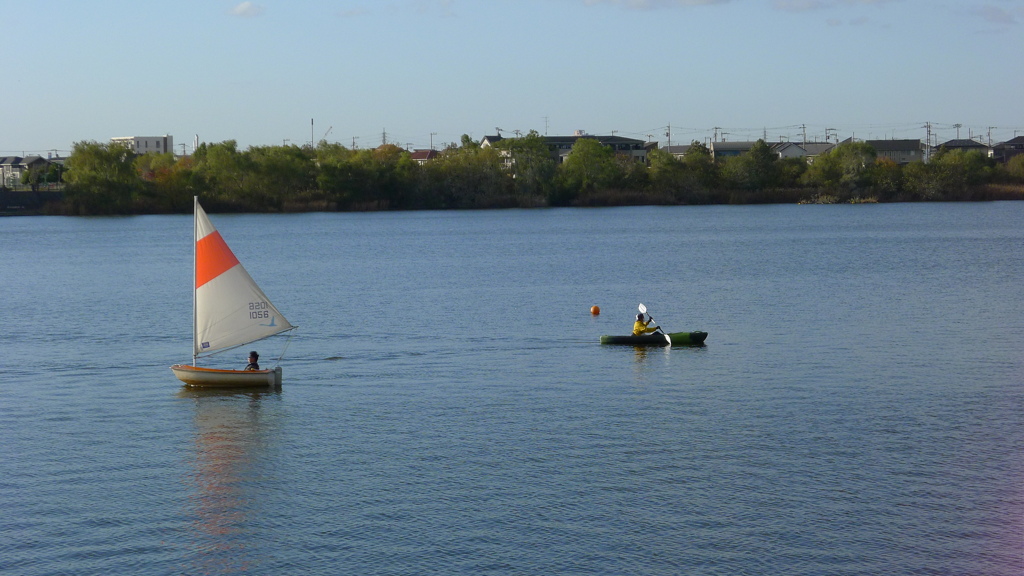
x=102 y=178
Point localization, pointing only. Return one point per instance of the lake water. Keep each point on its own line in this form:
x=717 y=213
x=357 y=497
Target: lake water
x=447 y=408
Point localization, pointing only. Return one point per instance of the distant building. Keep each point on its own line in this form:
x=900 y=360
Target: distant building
x=900 y=151
x=965 y=145
x=560 y=146
x=1006 y=150
x=721 y=150
x=12 y=167
x=146 y=144
x=809 y=151
x=423 y=156
x=678 y=150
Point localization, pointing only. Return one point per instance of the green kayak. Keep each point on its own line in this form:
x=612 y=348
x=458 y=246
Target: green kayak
x=674 y=339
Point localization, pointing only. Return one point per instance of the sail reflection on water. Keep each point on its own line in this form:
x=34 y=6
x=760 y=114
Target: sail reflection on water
x=232 y=433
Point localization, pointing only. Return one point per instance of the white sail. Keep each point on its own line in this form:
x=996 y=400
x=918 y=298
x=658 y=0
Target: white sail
x=230 y=309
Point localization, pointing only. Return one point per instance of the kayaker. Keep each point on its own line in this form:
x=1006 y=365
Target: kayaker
x=640 y=327
x=254 y=361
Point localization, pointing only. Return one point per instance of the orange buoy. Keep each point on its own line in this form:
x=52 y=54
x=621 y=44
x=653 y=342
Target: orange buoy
x=595 y=310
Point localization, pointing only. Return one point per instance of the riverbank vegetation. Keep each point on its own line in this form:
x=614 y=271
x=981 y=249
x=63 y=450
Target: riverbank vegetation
x=105 y=178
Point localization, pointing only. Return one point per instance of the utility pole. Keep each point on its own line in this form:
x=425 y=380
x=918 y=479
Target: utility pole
x=716 y=129
x=669 y=135
x=432 y=134
x=957 y=126
x=990 y=134
x=311 y=133
x=928 y=142
x=803 y=127
x=354 y=138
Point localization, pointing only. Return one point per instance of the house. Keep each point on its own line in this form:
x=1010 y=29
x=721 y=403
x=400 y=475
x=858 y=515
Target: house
x=788 y=150
x=146 y=144
x=560 y=146
x=966 y=145
x=1006 y=150
x=679 y=150
x=721 y=150
x=422 y=156
x=9 y=165
x=12 y=167
x=814 y=149
x=900 y=151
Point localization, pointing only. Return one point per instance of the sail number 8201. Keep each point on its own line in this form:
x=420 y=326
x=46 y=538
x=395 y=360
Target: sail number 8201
x=259 y=310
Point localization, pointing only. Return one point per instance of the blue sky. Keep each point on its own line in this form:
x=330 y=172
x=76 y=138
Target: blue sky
x=429 y=71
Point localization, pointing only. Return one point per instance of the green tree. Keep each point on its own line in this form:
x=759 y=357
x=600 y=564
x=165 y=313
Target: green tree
x=886 y=178
x=394 y=176
x=383 y=178
x=920 y=182
x=957 y=172
x=278 y=173
x=531 y=166
x=334 y=173
x=469 y=176
x=162 y=190
x=32 y=177
x=101 y=179
x=667 y=174
x=755 y=170
x=1014 y=168
x=701 y=164
x=843 y=170
x=589 y=166
x=221 y=172
x=631 y=175
x=790 y=171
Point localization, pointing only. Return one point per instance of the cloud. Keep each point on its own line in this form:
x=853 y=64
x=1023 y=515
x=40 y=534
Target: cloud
x=247 y=10
x=653 y=4
x=995 y=15
x=443 y=8
x=799 y=5
x=809 y=5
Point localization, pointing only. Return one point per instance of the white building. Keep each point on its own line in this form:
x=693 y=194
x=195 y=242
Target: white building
x=147 y=144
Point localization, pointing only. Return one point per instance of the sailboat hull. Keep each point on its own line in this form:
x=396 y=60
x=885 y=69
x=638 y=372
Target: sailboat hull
x=215 y=378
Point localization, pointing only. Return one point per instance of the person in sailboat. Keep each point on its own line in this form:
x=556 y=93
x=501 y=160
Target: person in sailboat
x=640 y=327
x=254 y=361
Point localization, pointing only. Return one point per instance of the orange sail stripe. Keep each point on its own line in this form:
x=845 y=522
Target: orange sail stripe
x=213 y=258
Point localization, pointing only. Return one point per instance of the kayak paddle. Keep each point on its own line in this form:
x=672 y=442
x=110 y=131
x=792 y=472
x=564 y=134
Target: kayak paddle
x=643 y=310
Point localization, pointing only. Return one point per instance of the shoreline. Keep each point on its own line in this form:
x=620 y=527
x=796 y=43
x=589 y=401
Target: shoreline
x=53 y=202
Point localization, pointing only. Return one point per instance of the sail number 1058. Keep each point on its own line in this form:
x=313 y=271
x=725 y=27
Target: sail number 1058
x=258 y=310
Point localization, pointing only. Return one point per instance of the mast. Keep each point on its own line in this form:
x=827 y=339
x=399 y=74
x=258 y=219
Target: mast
x=195 y=230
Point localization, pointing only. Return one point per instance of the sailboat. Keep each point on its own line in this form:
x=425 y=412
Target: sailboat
x=228 y=310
